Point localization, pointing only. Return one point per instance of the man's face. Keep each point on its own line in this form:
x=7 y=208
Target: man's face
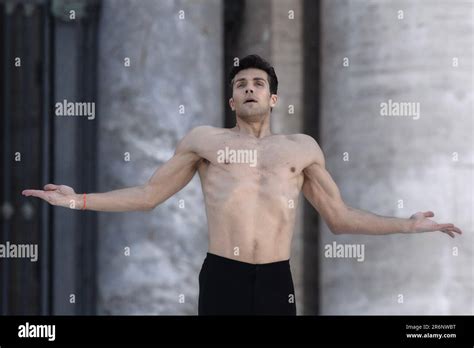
x=251 y=94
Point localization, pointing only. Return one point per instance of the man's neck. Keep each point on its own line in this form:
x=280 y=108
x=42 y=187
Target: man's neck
x=257 y=129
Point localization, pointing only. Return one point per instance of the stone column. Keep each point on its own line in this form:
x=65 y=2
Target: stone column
x=273 y=30
x=396 y=52
x=287 y=117
x=160 y=76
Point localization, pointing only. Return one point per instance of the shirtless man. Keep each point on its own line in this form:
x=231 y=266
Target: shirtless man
x=251 y=180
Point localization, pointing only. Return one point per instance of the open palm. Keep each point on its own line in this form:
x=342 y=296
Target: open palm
x=422 y=224
x=60 y=195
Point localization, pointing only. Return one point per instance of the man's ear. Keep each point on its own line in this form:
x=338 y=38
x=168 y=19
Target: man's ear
x=273 y=100
x=231 y=103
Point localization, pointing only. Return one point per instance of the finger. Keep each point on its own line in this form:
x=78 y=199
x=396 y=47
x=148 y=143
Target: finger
x=443 y=226
x=27 y=192
x=448 y=232
x=50 y=187
x=35 y=193
x=455 y=229
x=428 y=214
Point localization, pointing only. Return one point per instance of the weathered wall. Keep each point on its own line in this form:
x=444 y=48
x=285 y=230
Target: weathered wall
x=407 y=59
x=173 y=62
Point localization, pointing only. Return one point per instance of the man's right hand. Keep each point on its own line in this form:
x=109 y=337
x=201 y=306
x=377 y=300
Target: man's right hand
x=60 y=195
x=168 y=179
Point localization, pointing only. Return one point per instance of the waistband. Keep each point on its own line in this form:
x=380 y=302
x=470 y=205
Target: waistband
x=231 y=262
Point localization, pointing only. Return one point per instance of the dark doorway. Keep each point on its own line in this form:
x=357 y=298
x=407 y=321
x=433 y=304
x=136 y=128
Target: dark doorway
x=47 y=57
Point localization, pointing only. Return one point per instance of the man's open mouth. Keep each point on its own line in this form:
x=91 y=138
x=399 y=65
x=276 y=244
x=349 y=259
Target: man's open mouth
x=250 y=101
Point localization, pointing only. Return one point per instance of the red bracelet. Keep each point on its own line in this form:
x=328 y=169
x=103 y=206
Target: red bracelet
x=84 y=205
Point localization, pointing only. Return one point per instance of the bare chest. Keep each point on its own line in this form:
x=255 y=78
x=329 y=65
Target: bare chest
x=277 y=157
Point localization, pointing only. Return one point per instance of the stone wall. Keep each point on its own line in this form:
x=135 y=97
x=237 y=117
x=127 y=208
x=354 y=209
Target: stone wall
x=173 y=84
x=404 y=51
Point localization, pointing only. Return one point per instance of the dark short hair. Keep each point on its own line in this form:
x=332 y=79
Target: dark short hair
x=256 y=62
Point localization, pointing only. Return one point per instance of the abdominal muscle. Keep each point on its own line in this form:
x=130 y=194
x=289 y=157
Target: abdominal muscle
x=250 y=219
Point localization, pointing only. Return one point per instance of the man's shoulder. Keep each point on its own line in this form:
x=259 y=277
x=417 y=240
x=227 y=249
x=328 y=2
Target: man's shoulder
x=197 y=138
x=303 y=139
x=309 y=146
x=206 y=130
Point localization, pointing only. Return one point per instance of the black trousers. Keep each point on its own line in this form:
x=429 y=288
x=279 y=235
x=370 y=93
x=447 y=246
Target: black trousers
x=230 y=287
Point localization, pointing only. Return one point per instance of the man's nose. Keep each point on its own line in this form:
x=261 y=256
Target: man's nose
x=249 y=90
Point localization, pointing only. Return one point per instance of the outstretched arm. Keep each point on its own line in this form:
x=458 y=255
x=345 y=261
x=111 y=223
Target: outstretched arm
x=323 y=194
x=166 y=181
